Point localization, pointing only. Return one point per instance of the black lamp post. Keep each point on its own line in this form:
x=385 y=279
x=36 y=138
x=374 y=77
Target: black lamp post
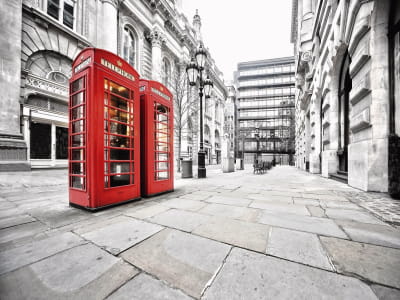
x=273 y=140
x=257 y=136
x=194 y=71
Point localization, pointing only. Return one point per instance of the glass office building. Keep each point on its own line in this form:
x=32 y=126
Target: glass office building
x=265 y=110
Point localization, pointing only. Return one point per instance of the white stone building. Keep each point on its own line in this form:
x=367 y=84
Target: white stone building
x=348 y=95
x=39 y=40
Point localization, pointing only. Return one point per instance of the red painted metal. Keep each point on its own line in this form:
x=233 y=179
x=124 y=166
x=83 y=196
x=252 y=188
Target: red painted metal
x=104 y=136
x=157 y=131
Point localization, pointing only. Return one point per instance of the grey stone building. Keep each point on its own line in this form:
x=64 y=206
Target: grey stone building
x=265 y=110
x=348 y=95
x=39 y=40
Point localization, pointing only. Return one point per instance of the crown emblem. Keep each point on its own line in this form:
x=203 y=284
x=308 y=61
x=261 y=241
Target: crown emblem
x=161 y=88
x=119 y=63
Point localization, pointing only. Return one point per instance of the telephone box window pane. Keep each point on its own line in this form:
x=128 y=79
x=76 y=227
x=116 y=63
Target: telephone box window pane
x=78 y=113
x=161 y=175
x=119 y=90
x=61 y=143
x=118 y=115
x=118 y=180
x=161 y=136
x=162 y=146
x=117 y=141
x=162 y=127
x=77 y=182
x=78 y=140
x=162 y=166
x=118 y=102
x=78 y=154
x=77 y=99
x=77 y=168
x=78 y=126
x=160 y=117
x=77 y=85
x=118 y=128
x=118 y=167
x=116 y=154
x=40 y=141
x=161 y=156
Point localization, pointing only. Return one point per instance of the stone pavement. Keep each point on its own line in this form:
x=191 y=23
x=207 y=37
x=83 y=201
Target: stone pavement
x=285 y=234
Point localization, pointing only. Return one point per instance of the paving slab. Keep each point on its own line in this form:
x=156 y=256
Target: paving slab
x=180 y=219
x=271 y=198
x=321 y=226
x=82 y=272
x=385 y=293
x=281 y=207
x=352 y=215
x=21 y=231
x=339 y=204
x=195 y=197
x=34 y=251
x=324 y=197
x=306 y=201
x=146 y=212
x=375 y=263
x=302 y=247
x=247 y=235
x=316 y=211
x=143 y=287
x=249 y=275
x=15 y=220
x=382 y=235
x=121 y=233
x=184 y=204
x=232 y=200
x=9 y=212
x=59 y=215
x=183 y=260
x=233 y=212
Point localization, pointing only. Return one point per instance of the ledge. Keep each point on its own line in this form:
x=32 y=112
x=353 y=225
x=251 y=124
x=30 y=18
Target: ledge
x=361 y=90
x=361 y=121
x=358 y=33
x=359 y=60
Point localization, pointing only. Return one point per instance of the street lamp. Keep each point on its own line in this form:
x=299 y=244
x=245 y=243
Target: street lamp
x=257 y=136
x=273 y=140
x=194 y=71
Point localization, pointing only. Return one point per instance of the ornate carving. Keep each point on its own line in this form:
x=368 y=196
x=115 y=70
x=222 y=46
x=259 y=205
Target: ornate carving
x=47 y=86
x=156 y=37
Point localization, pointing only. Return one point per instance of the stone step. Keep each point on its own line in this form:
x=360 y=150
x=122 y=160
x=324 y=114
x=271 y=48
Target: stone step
x=342 y=177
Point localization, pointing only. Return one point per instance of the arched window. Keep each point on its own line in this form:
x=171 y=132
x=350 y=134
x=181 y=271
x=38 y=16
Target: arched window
x=166 y=72
x=129 y=45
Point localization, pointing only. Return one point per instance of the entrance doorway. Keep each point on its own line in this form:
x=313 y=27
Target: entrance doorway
x=343 y=115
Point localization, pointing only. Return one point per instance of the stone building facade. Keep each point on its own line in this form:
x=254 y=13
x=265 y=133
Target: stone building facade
x=39 y=40
x=265 y=109
x=348 y=95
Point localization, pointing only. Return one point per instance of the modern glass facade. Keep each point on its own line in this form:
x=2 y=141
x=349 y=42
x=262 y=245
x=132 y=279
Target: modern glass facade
x=265 y=110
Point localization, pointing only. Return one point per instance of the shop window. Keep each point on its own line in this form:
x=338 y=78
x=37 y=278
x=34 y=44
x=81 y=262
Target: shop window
x=40 y=141
x=62 y=10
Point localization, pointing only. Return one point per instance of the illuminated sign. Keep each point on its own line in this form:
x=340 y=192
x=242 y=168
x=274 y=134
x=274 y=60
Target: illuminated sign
x=116 y=69
x=155 y=91
x=83 y=64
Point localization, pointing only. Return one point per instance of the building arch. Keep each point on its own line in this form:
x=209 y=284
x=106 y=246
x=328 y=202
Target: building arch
x=129 y=45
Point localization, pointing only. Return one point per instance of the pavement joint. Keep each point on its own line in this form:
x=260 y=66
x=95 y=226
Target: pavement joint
x=212 y=279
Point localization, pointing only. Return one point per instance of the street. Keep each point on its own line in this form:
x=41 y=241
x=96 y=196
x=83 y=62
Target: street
x=285 y=234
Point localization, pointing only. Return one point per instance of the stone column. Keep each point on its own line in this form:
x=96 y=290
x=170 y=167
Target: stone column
x=13 y=148
x=157 y=40
x=110 y=25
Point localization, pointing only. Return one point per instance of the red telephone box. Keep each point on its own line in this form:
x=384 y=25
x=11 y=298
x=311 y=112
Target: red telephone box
x=104 y=145
x=157 y=119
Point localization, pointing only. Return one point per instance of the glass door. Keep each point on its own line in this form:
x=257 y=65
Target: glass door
x=162 y=139
x=118 y=135
x=77 y=139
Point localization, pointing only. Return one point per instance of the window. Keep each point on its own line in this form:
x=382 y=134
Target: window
x=62 y=10
x=166 y=72
x=129 y=46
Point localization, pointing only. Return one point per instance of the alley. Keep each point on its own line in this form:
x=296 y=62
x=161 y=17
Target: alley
x=281 y=235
